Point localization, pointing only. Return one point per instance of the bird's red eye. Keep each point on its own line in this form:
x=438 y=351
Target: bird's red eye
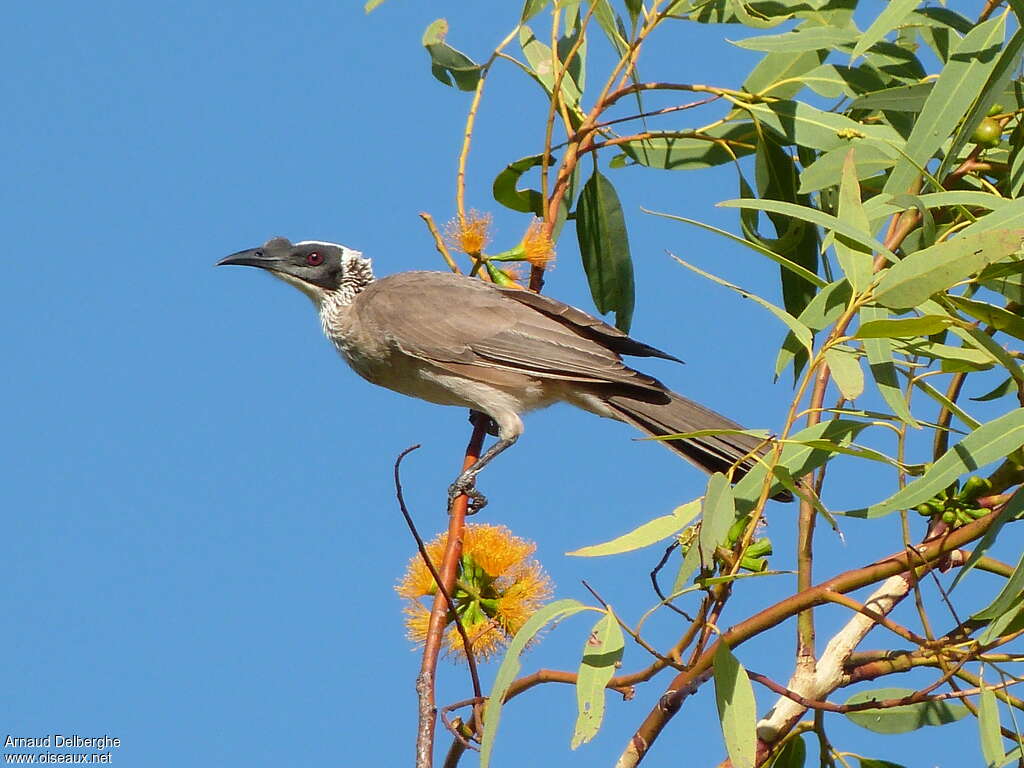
x=314 y=259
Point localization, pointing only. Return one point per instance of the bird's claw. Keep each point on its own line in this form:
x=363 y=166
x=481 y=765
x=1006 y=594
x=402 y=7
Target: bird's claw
x=465 y=485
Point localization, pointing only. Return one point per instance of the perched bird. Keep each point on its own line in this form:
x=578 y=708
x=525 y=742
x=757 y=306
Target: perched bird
x=457 y=340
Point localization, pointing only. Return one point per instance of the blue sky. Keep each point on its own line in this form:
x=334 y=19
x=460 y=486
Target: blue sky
x=200 y=533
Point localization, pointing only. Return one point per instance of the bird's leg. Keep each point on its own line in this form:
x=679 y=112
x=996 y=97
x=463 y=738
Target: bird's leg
x=476 y=418
x=465 y=484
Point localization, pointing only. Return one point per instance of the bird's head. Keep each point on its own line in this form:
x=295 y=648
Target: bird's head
x=318 y=269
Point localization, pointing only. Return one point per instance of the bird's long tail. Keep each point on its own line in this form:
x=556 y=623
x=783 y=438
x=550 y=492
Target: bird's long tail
x=712 y=453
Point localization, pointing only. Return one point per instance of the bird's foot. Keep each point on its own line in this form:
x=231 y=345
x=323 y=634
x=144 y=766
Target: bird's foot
x=465 y=485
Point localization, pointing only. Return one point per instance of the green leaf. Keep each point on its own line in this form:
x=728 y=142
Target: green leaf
x=823 y=310
x=1009 y=216
x=904 y=327
x=510 y=666
x=825 y=171
x=989 y=442
x=371 y=4
x=988 y=729
x=814 y=216
x=539 y=57
x=782 y=261
x=805 y=39
x=1009 y=596
x=799 y=330
x=835 y=80
x=532 y=8
x=611 y=25
x=890 y=18
x=999 y=318
x=797 y=458
x=801 y=124
x=882 y=367
x=737 y=708
x=926 y=272
x=718 y=513
x=1001 y=390
x=604 y=247
x=779 y=74
x=651 y=532
x=854 y=258
x=508 y=194
x=792 y=755
x=868 y=762
x=953 y=93
x=846 y=371
x=902 y=98
x=601 y=653
x=905 y=718
x=449 y=66
x=998 y=76
x=687 y=153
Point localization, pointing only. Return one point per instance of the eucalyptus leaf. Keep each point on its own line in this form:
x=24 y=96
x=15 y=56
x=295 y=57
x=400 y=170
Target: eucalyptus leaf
x=737 y=708
x=604 y=248
x=651 y=532
x=905 y=718
x=601 y=653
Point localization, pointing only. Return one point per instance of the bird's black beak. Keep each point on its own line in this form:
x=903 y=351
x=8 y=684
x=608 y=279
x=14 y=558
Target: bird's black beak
x=254 y=257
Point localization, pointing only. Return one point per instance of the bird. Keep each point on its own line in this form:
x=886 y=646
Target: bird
x=499 y=351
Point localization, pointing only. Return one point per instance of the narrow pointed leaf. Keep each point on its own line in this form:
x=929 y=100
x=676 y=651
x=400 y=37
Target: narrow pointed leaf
x=601 y=653
x=799 y=330
x=651 y=532
x=807 y=39
x=604 y=247
x=891 y=17
x=718 y=513
x=989 y=442
x=846 y=371
x=882 y=367
x=798 y=459
x=905 y=718
x=988 y=729
x=904 y=327
x=737 y=708
x=999 y=318
x=854 y=258
x=510 y=666
x=958 y=86
x=924 y=273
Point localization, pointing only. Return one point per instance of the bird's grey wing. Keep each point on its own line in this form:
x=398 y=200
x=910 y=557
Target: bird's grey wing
x=586 y=324
x=447 y=318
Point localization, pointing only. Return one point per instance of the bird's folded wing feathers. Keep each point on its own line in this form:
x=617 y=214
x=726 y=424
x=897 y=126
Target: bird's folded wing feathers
x=448 y=318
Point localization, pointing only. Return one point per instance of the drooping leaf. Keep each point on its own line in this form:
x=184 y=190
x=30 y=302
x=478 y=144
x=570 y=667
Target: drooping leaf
x=990 y=441
x=801 y=124
x=904 y=327
x=718 y=513
x=1005 y=387
x=882 y=367
x=922 y=274
x=957 y=87
x=538 y=56
x=905 y=718
x=797 y=458
x=531 y=8
x=604 y=247
x=814 y=216
x=800 y=331
x=792 y=755
x=825 y=171
x=510 y=666
x=782 y=261
x=998 y=76
x=508 y=194
x=823 y=310
x=687 y=153
x=805 y=39
x=448 y=65
x=999 y=318
x=846 y=371
x=853 y=257
x=988 y=729
x=651 y=532
x=737 y=709
x=891 y=17
x=780 y=74
x=601 y=653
